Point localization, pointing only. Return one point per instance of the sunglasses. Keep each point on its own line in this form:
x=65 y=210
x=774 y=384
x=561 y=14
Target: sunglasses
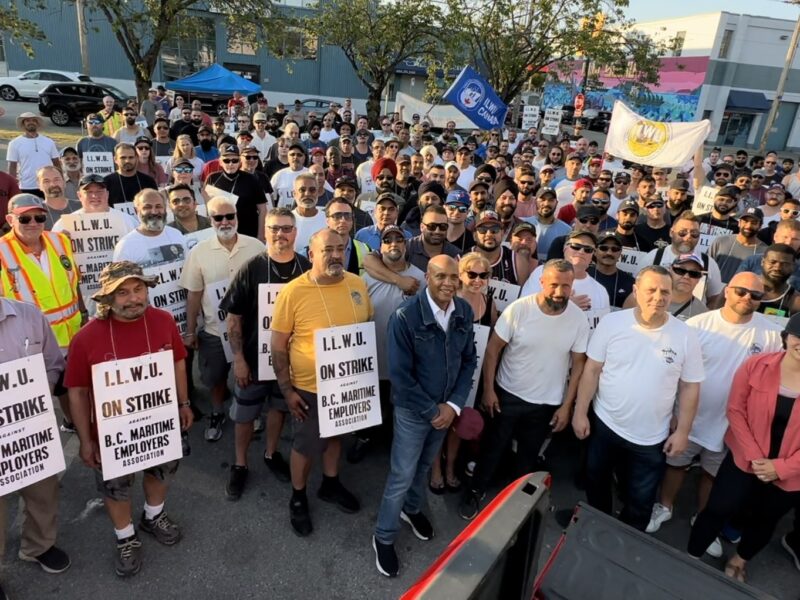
x=226 y=216
x=342 y=216
x=742 y=292
x=488 y=229
x=592 y=220
x=655 y=205
x=685 y=232
x=613 y=249
x=581 y=248
x=25 y=219
x=457 y=207
x=143 y=147
x=681 y=272
x=184 y=169
x=600 y=202
x=758 y=177
x=473 y=275
x=251 y=157
x=436 y=226
x=793 y=213
x=229 y=161
x=281 y=228
x=261 y=122
x=98 y=122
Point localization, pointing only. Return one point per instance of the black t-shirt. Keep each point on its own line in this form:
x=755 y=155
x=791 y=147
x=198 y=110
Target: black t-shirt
x=708 y=224
x=123 y=189
x=630 y=240
x=619 y=285
x=464 y=242
x=273 y=166
x=250 y=193
x=780 y=420
x=181 y=128
x=242 y=296
x=650 y=238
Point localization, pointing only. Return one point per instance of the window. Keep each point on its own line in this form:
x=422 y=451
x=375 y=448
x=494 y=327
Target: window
x=50 y=76
x=241 y=42
x=191 y=50
x=725 y=44
x=2 y=50
x=297 y=44
x=30 y=76
x=677 y=43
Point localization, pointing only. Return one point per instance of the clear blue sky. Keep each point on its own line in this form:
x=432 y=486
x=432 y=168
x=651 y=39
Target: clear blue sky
x=650 y=10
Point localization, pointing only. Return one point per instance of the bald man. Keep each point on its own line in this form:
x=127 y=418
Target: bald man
x=728 y=336
x=427 y=393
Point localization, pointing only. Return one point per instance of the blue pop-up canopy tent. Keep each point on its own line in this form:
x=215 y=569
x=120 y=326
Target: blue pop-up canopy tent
x=215 y=79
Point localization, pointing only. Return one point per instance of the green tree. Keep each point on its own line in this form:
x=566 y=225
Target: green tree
x=376 y=36
x=508 y=40
x=18 y=30
x=142 y=27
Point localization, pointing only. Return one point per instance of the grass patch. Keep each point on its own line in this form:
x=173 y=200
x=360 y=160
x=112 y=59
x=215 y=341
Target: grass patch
x=61 y=139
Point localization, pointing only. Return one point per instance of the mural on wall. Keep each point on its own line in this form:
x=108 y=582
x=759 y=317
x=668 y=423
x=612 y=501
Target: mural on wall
x=673 y=99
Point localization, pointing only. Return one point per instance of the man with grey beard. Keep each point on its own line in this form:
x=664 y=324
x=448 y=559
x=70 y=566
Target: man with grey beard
x=51 y=184
x=152 y=243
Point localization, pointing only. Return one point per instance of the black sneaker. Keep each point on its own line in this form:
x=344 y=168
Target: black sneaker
x=385 y=558
x=129 y=556
x=235 y=487
x=164 y=529
x=54 y=560
x=357 y=452
x=213 y=431
x=420 y=525
x=470 y=504
x=335 y=493
x=278 y=466
x=299 y=516
x=791 y=543
x=67 y=427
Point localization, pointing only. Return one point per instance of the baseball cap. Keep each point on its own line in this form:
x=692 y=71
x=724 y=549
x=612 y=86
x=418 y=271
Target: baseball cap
x=475 y=183
x=761 y=172
x=777 y=186
x=582 y=183
x=392 y=229
x=752 y=212
x=524 y=226
x=362 y=132
x=458 y=197
x=464 y=148
x=547 y=168
x=684 y=258
x=577 y=233
x=346 y=181
x=596 y=161
x=68 y=149
x=546 y=191
x=451 y=165
x=487 y=216
x=403 y=158
x=260 y=116
x=680 y=184
x=244 y=133
x=652 y=199
x=628 y=205
x=728 y=191
x=297 y=146
x=574 y=156
x=387 y=196
x=88 y=180
x=589 y=210
x=317 y=150
x=229 y=149
x=143 y=139
x=22 y=203
x=793 y=325
x=205 y=129
x=608 y=234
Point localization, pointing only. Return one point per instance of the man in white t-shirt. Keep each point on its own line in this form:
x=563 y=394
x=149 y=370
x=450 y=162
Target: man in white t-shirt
x=152 y=243
x=685 y=235
x=308 y=218
x=542 y=335
x=30 y=152
x=283 y=181
x=638 y=361
x=589 y=295
x=727 y=337
x=465 y=167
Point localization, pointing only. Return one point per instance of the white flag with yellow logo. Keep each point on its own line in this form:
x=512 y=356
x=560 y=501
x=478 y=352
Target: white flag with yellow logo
x=654 y=143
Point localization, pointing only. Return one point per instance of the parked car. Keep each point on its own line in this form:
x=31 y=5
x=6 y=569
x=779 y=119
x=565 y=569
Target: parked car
x=28 y=85
x=567 y=114
x=72 y=101
x=600 y=122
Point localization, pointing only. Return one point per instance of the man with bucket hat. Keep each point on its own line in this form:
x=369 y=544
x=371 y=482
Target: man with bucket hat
x=29 y=152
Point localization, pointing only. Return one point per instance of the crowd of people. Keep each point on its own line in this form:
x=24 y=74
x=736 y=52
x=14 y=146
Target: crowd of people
x=521 y=288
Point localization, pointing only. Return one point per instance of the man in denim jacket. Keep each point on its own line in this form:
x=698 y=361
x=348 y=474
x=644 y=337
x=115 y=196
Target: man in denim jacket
x=432 y=359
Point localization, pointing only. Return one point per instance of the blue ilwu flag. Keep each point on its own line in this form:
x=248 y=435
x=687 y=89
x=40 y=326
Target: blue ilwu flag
x=475 y=98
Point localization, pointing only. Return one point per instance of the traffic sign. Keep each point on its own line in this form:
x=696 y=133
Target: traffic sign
x=580 y=102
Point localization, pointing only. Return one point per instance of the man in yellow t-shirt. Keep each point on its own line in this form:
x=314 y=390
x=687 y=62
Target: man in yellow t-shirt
x=326 y=296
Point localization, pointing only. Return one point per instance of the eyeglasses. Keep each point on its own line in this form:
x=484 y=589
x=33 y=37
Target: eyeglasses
x=229 y=161
x=592 y=220
x=457 y=207
x=280 y=228
x=473 y=275
x=488 y=229
x=182 y=200
x=654 y=205
x=685 y=232
x=436 y=226
x=613 y=249
x=690 y=273
x=185 y=169
x=341 y=216
x=25 y=219
x=226 y=216
x=743 y=291
x=581 y=248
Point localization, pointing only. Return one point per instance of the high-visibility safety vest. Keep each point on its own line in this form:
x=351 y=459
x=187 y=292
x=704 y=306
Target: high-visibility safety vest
x=56 y=295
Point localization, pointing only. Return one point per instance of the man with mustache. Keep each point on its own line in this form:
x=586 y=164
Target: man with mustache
x=427 y=394
x=730 y=250
x=28 y=152
x=183 y=203
x=530 y=397
x=323 y=297
x=130 y=131
x=97 y=144
x=126 y=327
x=126 y=182
x=152 y=243
x=548 y=227
x=721 y=220
x=51 y=184
x=308 y=218
x=71 y=165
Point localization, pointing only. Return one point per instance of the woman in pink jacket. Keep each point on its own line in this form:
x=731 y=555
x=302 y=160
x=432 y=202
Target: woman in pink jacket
x=762 y=469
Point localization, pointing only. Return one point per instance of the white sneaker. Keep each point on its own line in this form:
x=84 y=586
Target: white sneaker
x=715 y=549
x=661 y=514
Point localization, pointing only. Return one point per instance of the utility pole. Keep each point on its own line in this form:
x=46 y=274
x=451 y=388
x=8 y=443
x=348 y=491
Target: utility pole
x=773 y=111
x=82 y=37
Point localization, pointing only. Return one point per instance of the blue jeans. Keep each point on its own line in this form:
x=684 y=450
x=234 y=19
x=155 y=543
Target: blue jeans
x=639 y=470
x=415 y=446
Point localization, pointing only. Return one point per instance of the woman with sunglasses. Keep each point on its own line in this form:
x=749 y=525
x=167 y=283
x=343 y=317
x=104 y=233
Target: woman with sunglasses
x=185 y=149
x=147 y=162
x=759 y=477
x=474 y=272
